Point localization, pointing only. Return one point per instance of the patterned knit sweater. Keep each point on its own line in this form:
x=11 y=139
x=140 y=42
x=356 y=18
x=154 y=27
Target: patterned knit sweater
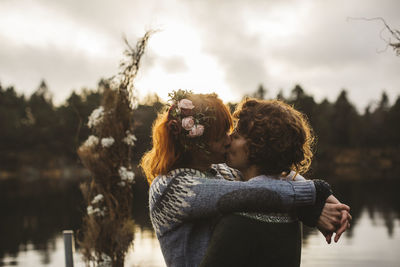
x=185 y=203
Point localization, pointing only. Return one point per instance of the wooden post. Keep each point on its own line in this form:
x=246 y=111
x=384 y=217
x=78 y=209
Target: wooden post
x=69 y=247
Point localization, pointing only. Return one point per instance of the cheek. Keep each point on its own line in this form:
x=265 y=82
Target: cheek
x=241 y=145
x=235 y=151
x=245 y=148
x=217 y=148
x=244 y=151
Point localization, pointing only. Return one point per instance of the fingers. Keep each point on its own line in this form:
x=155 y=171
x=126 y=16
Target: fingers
x=326 y=234
x=332 y=199
x=336 y=222
x=345 y=216
x=350 y=217
x=340 y=231
x=342 y=206
x=336 y=218
x=345 y=224
x=336 y=213
x=334 y=209
x=328 y=238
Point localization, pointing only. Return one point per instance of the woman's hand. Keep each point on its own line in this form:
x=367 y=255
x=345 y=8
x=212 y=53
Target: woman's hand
x=345 y=220
x=335 y=217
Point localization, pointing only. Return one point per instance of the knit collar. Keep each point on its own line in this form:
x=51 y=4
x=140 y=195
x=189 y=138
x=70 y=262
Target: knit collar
x=211 y=172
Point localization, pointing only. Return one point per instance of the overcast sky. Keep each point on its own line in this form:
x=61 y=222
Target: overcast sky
x=223 y=46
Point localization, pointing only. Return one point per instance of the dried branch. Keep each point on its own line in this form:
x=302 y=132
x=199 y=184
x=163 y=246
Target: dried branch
x=108 y=225
x=394 y=34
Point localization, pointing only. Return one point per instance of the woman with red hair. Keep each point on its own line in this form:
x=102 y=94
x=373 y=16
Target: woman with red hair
x=189 y=188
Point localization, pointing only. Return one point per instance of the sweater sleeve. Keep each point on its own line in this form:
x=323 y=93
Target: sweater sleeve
x=187 y=197
x=309 y=215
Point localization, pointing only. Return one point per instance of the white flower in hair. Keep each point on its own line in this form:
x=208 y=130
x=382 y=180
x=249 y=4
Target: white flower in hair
x=188 y=123
x=107 y=141
x=185 y=103
x=196 y=130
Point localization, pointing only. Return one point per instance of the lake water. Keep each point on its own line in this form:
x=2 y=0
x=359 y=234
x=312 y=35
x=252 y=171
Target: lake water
x=31 y=227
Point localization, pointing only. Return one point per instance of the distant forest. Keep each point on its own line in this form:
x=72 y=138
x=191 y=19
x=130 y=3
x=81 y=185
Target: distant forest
x=36 y=133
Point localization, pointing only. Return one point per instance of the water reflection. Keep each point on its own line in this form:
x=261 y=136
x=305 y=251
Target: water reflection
x=34 y=213
x=369 y=245
x=379 y=198
x=146 y=250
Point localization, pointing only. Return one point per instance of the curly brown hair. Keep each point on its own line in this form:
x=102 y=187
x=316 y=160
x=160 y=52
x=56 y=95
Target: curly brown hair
x=279 y=137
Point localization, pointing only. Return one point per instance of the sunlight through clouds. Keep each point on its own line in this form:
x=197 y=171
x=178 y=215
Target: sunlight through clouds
x=201 y=73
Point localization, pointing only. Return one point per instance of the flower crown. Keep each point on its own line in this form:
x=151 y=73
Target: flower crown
x=185 y=124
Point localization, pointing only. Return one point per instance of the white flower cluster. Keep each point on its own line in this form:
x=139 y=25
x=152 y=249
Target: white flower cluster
x=91 y=141
x=107 y=141
x=98 y=199
x=105 y=261
x=127 y=177
x=96 y=211
x=96 y=117
x=129 y=139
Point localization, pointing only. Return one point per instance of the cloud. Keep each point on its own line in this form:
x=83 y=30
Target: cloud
x=306 y=42
x=239 y=44
x=330 y=39
x=62 y=71
x=174 y=64
x=222 y=26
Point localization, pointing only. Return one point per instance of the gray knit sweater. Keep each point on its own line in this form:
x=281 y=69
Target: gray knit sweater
x=185 y=202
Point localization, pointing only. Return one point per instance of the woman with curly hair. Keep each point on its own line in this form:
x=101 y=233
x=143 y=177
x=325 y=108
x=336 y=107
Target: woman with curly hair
x=189 y=189
x=272 y=141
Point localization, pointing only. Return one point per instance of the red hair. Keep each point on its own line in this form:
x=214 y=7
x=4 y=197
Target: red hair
x=167 y=151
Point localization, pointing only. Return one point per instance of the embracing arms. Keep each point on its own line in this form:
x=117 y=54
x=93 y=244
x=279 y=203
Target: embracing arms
x=186 y=196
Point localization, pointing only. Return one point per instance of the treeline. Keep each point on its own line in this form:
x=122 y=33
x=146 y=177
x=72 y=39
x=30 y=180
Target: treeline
x=36 y=133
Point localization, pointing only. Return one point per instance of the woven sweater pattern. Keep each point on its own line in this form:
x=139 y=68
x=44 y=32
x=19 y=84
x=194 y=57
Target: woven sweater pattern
x=184 y=203
x=170 y=208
